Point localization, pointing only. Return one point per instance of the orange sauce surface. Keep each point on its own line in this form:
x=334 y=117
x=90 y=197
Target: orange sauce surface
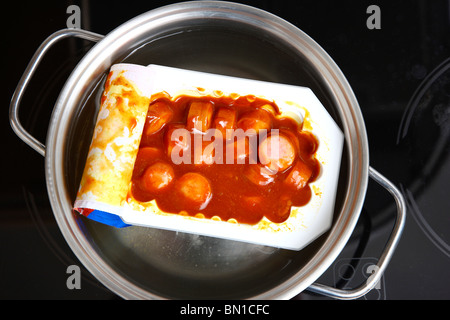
x=203 y=179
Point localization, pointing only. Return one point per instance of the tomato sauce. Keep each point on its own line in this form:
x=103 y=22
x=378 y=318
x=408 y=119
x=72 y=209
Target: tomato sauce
x=221 y=177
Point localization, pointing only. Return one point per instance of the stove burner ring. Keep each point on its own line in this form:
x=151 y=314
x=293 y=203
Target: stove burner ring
x=425 y=133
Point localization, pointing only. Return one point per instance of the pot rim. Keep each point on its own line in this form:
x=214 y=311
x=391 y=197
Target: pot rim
x=98 y=60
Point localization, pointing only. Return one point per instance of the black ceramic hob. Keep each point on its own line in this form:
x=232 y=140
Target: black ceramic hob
x=398 y=64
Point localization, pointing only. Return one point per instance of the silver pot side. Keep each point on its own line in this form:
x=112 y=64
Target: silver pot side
x=158 y=23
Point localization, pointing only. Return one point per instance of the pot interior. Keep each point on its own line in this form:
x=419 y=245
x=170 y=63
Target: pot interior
x=175 y=265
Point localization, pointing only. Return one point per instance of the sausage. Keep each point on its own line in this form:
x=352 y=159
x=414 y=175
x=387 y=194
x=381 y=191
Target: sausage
x=241 y=150
x=225 y=119
x=283 y=209
x=292 y=136
x=271 y=109
x=208 y=147
x=195 y=190
x=299 y=175
x=254 y=206
x=256 y=120
x=205 y=153
x=157 y=177
x=177 y=140
x=145 y=155
x=276 y=152
x=200 y=116
x=259 y=175
x=159 y=113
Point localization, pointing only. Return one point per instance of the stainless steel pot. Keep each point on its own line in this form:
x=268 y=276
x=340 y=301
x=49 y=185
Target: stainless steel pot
x=221 y=37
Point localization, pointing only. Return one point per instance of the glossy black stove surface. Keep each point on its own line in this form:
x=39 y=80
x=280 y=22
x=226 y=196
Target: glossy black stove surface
x=400 y=75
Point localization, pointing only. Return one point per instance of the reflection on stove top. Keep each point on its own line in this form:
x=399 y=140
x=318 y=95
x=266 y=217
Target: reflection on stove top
x=424 y=134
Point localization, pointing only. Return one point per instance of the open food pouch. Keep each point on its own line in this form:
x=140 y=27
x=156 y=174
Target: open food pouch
x=212 y=155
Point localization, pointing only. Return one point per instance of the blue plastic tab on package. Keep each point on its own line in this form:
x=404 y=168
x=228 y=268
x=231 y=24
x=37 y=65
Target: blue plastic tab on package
x=107 y=218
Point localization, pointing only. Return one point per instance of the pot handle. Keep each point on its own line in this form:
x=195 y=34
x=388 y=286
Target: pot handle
x=394 y=238
x=28 y=73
